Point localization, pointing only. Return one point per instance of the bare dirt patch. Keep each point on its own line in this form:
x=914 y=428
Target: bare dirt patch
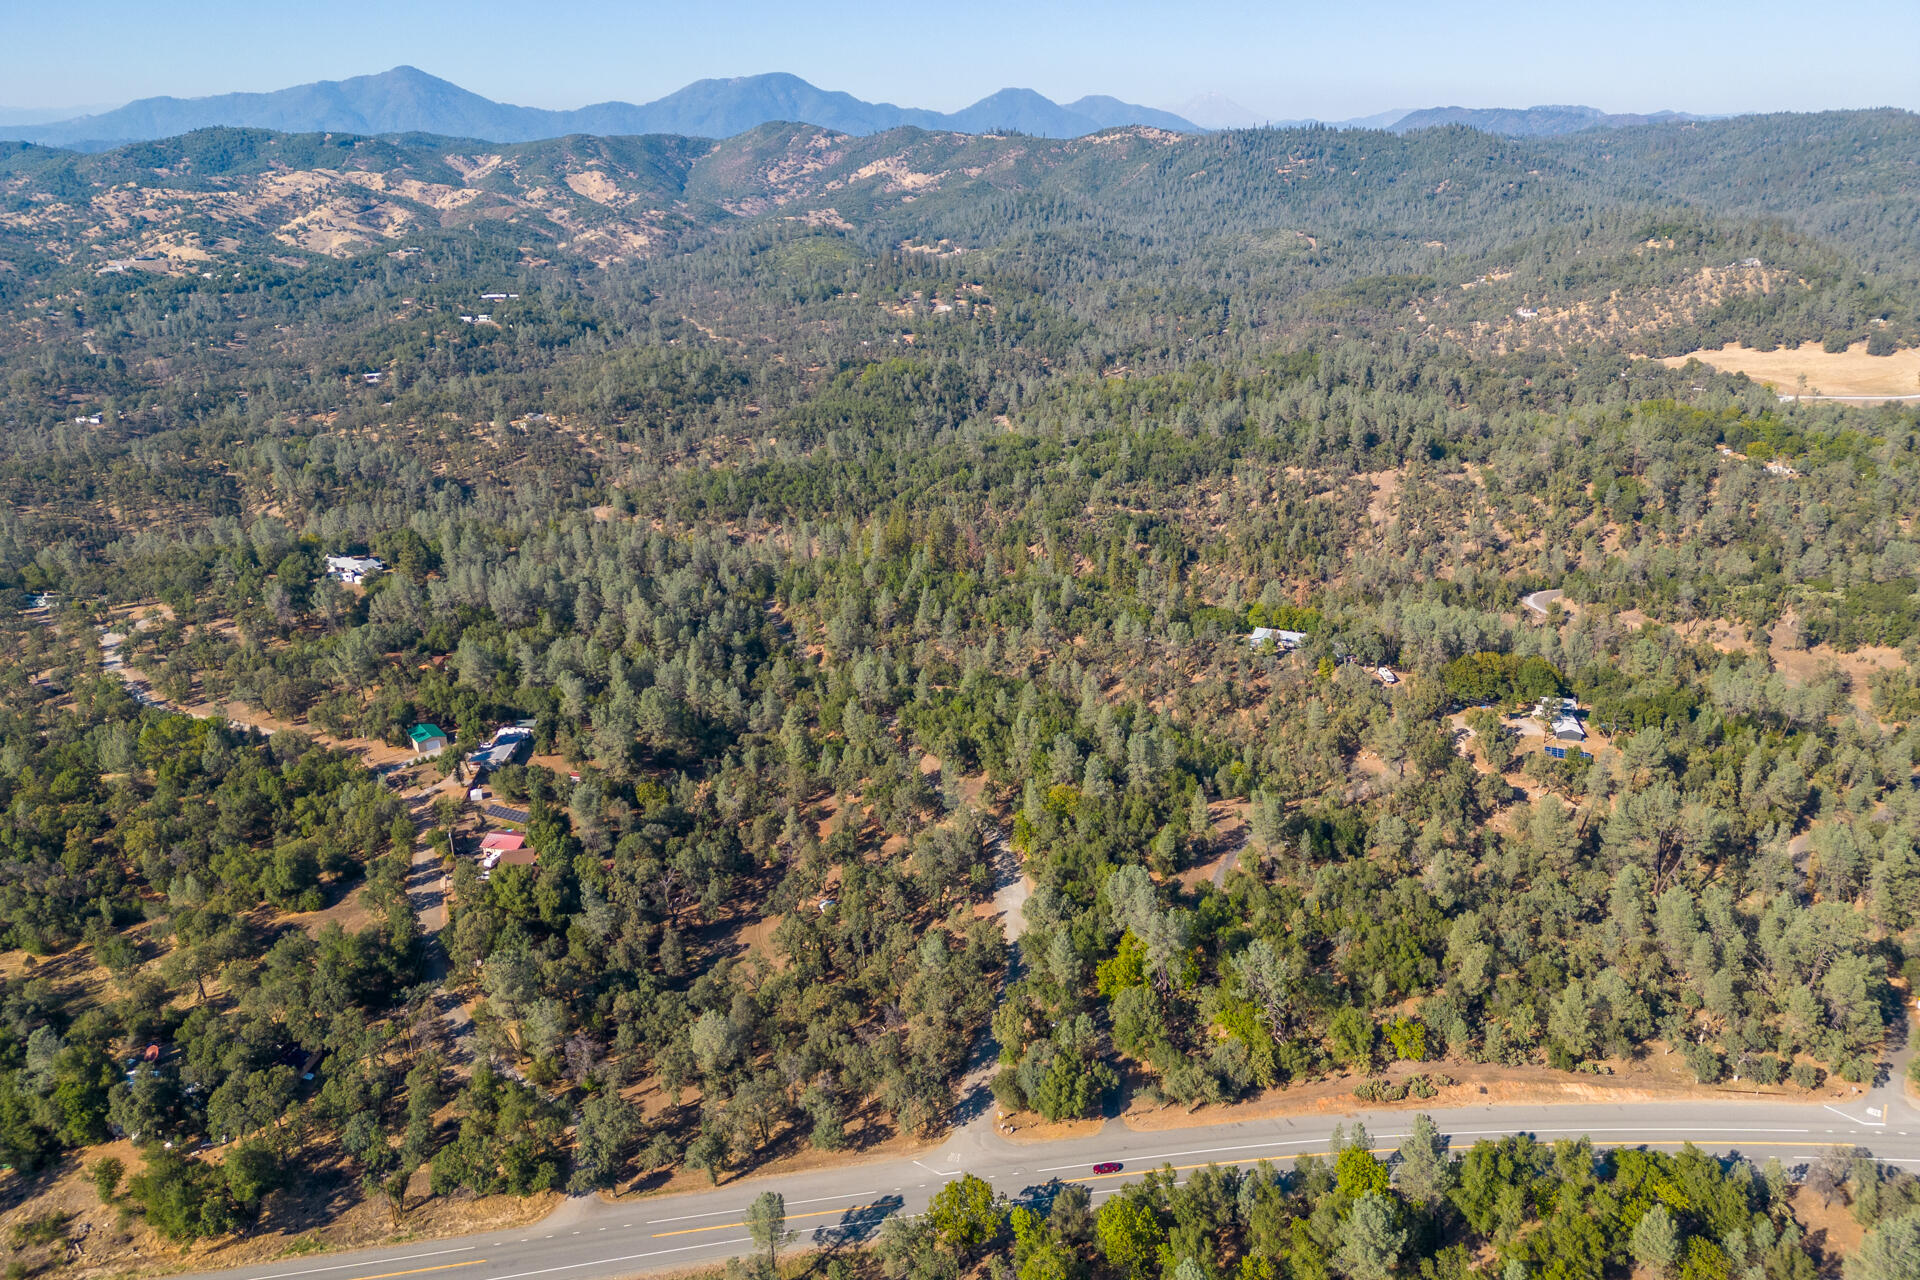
x=1026 y=1126
x=1834 y=373
x=1385 y=499
x=1727 y=637
x=1801 y=666
x=1830 y=1228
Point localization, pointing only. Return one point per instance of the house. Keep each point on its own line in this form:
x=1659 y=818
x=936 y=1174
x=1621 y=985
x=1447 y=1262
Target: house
x=502 y=749
x=352 y=570
x=1526 y=313
x=1779 y=468
x=1284 y=641
x=372 y=378
x=509 y=847
x=1386 y=676
x=1563 y=718
x=427 y=740
x=517 y=856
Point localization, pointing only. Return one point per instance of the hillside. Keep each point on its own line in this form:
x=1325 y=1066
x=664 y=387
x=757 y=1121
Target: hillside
x=1665 y=240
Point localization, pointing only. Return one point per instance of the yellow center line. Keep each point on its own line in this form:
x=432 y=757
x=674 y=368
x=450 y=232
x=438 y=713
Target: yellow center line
x=445 y=1266
x=730 y=1226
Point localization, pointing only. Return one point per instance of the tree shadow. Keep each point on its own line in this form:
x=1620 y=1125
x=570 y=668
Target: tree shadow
x=1039 y=1196
x=315 y=1200
x=857 y=1225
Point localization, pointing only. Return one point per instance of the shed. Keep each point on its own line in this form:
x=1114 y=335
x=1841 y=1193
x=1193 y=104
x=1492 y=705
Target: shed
x=427 y=739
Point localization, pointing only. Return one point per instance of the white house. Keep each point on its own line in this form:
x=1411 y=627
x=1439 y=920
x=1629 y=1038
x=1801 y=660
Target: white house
x=1284 y=641
x=352 y=570
x=1563 y=717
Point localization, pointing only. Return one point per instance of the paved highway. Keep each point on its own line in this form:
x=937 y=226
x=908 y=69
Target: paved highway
x=589 y=1239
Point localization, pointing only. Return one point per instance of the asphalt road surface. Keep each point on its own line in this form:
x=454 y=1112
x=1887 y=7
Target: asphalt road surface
x=1539 y=600
x=589 y=1239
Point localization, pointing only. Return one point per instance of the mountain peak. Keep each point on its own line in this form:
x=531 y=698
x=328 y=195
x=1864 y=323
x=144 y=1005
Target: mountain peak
x=1216 y=111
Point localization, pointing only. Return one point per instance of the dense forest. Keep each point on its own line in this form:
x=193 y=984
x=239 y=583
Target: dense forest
x=850 y=519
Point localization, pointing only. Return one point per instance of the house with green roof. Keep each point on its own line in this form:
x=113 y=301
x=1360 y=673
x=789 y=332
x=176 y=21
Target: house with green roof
x=427 y=739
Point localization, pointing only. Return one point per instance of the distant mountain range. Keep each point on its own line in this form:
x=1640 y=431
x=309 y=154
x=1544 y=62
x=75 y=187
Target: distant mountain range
x=48 y=115
x=1528 y=122
x=407 y=100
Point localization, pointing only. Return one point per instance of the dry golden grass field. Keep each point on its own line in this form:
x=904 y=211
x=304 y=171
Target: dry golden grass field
x=1832 y=373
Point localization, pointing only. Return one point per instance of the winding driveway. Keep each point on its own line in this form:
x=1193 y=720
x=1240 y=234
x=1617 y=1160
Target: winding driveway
x=1539 y=600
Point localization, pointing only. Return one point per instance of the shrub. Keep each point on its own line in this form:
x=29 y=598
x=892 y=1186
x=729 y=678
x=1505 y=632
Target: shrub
x=1408 y=1036
x=105 y=1174
x=1707 y=1064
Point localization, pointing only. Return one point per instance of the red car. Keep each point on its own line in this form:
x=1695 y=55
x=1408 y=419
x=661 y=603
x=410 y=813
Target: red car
x=1107 y=1166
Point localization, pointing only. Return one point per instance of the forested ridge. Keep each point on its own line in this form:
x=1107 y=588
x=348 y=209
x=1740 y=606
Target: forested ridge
x=864 y=526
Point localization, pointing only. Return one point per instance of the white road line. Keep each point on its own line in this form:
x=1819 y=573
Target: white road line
x=711 y=1213
x=630 y=1257
x=845 y=1195
x=380 y=1262
x=1461 y=1133
x=1872 y=1124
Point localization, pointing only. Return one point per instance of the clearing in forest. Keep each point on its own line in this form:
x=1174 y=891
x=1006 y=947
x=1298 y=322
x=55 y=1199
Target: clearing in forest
x=1829 y=373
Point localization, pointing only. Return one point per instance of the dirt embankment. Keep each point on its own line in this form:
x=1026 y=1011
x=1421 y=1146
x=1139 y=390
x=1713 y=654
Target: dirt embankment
x=321 y=1213
x=1659 y=1077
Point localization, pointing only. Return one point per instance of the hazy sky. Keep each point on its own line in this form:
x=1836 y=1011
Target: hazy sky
x=1331 y=59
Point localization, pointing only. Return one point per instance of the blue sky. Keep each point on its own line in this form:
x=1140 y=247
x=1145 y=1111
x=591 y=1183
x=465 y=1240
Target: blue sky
x=1287 y=59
